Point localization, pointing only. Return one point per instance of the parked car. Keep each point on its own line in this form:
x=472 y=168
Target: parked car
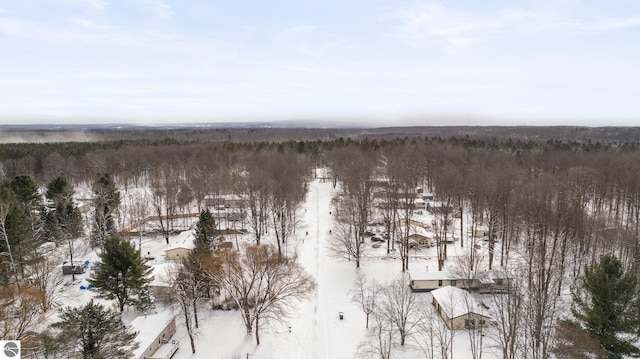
x=368 y=233
x=376 y=239
x=376 y=245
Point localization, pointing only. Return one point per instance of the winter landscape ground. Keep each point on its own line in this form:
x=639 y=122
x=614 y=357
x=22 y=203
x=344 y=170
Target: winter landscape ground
x=313 y=328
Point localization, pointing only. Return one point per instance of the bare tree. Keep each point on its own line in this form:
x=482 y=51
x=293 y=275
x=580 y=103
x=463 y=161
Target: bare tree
x=263 y=284
x=380 y=345
x=399 y=306
x=20 y=311
x=508 y=317
x=287 y=191
x=432 y=337
x=184 y=295
x=366 y=294
x=354 y=169
x=256 y=186
x=405 y=173
x=45 y=275
x=165 y=189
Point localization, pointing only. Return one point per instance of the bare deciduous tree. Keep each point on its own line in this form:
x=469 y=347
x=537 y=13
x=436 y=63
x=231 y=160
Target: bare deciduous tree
x=263 y=284
x=46 y=276
x=380 y=345
x=366 y=294
x=399 y=306
x=432 y=337
x=354 y=169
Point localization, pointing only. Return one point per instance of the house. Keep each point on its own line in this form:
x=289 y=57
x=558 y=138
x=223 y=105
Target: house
x=420 y=236
x=154 y=334
x=182 y=245
x=428 y=281
x=483 y=282
x=459 y=309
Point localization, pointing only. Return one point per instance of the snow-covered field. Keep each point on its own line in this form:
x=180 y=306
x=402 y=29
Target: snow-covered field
x=313 y=328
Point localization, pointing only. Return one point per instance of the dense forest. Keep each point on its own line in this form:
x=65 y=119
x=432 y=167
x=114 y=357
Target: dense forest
x=559 y=202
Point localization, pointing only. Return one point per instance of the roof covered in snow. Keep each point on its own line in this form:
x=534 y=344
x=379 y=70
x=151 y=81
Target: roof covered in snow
x=433 y=276
x=161 y=273
x=148 y=327
x=185 y=239
x=456 y=302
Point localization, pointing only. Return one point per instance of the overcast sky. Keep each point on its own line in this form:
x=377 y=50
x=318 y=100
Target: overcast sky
x=410 y=62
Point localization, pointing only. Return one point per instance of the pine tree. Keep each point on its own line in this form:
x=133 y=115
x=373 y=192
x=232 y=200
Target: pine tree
x=122 y=274
x=606 y=305
x=16 y=233
x=106 y=201
x=92 y=332
x=62 y=220
x=207 y=235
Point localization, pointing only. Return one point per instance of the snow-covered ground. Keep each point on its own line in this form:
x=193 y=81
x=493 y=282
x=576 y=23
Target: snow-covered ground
x=313 y=328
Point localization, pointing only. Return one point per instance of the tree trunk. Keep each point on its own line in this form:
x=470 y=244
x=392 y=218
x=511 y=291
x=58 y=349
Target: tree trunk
x=257 y=331
x=195 y=314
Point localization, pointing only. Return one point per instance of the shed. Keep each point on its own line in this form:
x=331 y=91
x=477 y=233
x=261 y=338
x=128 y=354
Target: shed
x=154 y=334
x=182 y=245
x=459 y=309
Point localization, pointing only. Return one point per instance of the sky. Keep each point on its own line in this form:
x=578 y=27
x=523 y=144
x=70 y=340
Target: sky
x=490 y=62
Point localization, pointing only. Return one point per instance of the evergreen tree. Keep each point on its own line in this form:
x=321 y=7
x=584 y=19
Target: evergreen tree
x=106 y=201
x=122 y=274
x=61 y=218
x=26 y=191
x=202 y=263
x=606 y=305
x=207 y=235
x=16 y=234
x=93 y=332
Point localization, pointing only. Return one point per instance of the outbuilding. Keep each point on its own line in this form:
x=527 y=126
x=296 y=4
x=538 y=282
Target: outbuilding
x=459 y=309
x=182 y=245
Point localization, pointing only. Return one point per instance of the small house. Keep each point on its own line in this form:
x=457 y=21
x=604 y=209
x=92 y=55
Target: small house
x=428 y=281
x=420 y=236
x=459 y=309
x=182 y=245
x=154 y=334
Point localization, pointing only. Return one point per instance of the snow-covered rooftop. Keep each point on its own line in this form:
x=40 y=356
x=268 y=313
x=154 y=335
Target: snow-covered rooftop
x=456 y=302
x=185 y=239
x=433 y=276
x=148 y=327
x=160 y=274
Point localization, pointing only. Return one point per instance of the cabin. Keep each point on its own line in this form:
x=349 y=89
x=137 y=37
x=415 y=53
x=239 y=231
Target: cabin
x=182 y=245
x=459 y=309
x=154 y=333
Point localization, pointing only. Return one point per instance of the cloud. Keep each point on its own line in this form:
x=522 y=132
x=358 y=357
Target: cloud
x=434 y=24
